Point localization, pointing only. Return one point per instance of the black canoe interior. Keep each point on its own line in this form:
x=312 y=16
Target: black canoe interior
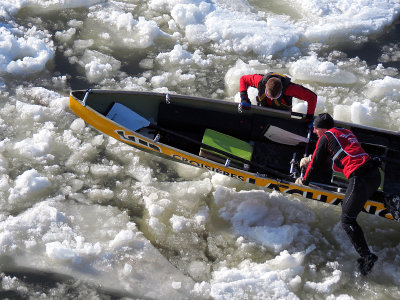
x=191 y=122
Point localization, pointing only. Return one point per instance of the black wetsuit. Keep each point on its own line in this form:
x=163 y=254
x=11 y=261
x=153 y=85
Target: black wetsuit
x=341 y=147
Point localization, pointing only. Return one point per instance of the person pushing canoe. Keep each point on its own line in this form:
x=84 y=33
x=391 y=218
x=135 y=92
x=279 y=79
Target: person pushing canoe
x=341 y=147
x=276 y=91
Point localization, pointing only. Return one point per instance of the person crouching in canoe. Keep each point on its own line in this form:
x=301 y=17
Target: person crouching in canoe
x=276 y=91
x=342 y=147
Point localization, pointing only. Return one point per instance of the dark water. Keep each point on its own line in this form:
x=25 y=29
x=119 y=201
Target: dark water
x=372 y=50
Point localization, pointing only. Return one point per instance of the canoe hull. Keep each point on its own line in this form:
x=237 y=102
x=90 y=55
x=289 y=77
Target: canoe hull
x=94 y=110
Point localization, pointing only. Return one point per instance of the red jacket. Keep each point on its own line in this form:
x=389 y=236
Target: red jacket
x=292 y=90
x=342 y=147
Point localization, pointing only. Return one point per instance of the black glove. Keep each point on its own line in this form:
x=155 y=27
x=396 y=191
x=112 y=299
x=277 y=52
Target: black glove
x=309 y=118
x=309 y=121
x=245 y=104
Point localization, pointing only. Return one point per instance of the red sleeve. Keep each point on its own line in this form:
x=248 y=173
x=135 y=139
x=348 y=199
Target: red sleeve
x=249 y=80
x=302 y=93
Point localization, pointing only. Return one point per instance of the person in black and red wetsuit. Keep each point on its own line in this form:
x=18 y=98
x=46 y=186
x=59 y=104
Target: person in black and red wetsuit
x=276 y=91
x=342 y=148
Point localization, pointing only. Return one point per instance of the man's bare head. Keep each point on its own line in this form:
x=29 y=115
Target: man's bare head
x=273 y=88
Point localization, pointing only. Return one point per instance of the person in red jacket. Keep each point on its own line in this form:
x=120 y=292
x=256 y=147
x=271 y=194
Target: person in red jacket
x=276 y=91
x=342 y=148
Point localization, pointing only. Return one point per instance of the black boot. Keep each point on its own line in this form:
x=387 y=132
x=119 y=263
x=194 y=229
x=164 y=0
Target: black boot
x=366 y=263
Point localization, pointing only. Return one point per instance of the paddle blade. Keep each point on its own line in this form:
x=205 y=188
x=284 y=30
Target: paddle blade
x=124 y=116
x=285 y=137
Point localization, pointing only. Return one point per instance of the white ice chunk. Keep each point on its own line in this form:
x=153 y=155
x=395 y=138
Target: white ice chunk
x=3 y=163
x=39 y=146
x=180 y=223
x=65 y=35
x=58 y=251
x=122 y=238
x=175 y=78
x=329 y=20
x=24 y=52
x=29 y=183
x=100 y=170
x=60 y=4
x=186 y=14
x=44 y=97
x=4 y=182
x=311 y=69
x=197 y=34
x=270 y=280
x=364 y=113
x=99 y=66
x=260 y=217
x=179 y=56
x=176 y=285
x=77 y=125
x=124 y=30
x=327 y=285
x=226 y=30
x=386 y=87
x=100 y=195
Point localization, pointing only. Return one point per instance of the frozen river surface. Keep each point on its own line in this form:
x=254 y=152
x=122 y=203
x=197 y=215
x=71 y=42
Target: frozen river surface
x=83 y=216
